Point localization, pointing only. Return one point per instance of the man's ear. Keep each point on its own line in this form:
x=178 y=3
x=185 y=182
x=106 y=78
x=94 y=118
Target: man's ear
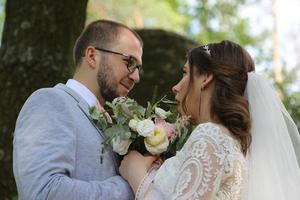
x=90 y=56
x=208 y=79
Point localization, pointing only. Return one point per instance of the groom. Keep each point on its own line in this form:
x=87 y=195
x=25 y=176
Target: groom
x=57 y=146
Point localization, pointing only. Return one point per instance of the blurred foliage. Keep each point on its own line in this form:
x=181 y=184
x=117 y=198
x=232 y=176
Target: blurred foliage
x=213 y=21
x=139 y=13
x=220 y=19
x=292 y=103
x=289 y=91
x=2 y=16
x=201 y=20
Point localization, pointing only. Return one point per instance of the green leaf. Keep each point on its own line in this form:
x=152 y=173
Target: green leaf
x=98 y=118
x=154 y=96
x=148 y=110
x=133 y=136
x=109 y=104
x=113 y=130
x=137 y=111
x=125 y=135
x=123 y=132
x=94 y=113
x=102 y=122
x=167 y=101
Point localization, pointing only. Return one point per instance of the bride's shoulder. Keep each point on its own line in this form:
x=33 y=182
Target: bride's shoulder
x=211 y=132
x=206 y=129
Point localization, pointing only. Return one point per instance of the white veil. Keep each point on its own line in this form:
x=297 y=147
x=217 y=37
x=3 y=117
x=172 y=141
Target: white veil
x=273 y=169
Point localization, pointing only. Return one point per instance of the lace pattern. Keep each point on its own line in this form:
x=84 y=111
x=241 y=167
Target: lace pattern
x=210 y=166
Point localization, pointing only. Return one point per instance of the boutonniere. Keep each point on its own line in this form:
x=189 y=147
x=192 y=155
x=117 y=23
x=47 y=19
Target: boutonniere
x=98 y=118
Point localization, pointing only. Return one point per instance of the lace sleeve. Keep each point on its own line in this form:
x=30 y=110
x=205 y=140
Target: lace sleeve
x=197 y=171
x=147 y=190
x=201 y=171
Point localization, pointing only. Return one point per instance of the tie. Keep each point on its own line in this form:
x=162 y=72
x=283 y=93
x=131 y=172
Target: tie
x=103 y=111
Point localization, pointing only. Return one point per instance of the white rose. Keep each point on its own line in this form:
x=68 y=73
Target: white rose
x=158 y=142
x=161 y=113
x=120 y=146
x=145 y=127
x=133 y=124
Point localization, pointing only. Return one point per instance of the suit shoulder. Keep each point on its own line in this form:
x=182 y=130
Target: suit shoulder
x=49 y=95
x=47 y=92
x=47 y=100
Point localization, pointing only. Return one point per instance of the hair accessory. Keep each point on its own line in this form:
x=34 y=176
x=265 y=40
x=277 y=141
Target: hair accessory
x=206 y=48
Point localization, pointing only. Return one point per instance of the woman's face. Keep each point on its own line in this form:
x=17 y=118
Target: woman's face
x=193 y=93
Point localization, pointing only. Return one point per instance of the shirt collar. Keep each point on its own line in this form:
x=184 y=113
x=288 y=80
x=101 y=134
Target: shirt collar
x=83 y=91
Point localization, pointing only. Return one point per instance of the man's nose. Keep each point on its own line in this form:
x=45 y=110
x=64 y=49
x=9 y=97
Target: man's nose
x=135 y=76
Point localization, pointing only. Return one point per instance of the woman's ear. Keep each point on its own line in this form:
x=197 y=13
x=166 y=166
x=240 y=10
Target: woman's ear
x=207 y=80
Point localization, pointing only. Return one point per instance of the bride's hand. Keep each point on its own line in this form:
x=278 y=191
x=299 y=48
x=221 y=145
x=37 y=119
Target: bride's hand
x=134 y=167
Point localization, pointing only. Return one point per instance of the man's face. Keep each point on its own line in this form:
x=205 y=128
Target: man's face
x=113 y=76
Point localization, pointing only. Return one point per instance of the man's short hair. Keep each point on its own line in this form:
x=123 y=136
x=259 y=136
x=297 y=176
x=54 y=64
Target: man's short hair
x=100 y=33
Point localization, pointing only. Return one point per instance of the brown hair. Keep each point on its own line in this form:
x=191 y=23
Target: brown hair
x=229 y=64
x=100 y=33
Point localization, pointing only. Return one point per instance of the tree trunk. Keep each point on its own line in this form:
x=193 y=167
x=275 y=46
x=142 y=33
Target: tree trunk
x=276 y=53
x=36 y=51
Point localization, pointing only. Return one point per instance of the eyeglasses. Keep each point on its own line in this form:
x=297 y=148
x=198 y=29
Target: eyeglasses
x=132 y=63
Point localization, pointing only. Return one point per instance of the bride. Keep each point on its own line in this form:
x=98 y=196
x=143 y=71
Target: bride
x=245 y=145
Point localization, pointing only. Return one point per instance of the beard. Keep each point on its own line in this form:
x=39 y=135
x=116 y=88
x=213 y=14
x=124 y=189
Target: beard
x=107 y=91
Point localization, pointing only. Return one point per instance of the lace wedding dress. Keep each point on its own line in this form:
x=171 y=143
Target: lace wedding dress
x=212 y=166
x=209 y=166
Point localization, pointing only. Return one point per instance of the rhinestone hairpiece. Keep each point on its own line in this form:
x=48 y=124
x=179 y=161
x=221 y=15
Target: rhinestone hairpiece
x=206 y=48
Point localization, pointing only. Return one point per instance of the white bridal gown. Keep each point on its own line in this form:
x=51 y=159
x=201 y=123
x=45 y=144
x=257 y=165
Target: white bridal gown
x=210 y=166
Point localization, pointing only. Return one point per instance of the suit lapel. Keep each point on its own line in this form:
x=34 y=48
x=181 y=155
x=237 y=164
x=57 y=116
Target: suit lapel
x=81 y=103
x=84 y=107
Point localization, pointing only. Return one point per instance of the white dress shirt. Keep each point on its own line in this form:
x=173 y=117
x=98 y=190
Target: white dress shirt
x=83 y=91
x=88 y=96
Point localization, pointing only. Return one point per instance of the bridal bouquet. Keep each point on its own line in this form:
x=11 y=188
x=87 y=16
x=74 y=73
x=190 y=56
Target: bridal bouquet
x=147 y=130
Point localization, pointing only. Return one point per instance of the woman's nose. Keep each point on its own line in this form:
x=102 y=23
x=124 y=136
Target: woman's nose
x=174 y=89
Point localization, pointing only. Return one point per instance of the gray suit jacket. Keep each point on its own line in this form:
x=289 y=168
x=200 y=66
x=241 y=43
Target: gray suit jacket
x=57 y=151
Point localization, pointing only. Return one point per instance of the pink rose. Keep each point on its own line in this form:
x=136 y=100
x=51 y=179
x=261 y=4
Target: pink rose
x=169 y=128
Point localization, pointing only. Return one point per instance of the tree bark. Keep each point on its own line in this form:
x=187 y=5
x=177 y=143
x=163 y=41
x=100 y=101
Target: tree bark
x=36 y=51
x=276 y=53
